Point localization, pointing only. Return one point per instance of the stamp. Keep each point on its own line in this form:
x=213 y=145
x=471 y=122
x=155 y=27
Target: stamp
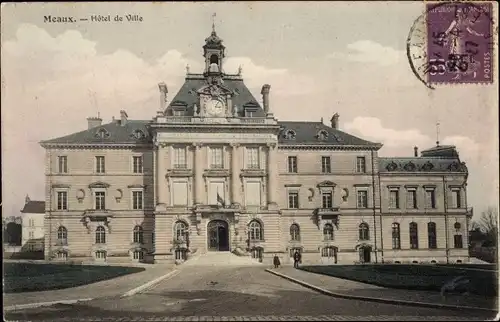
x=452 y=43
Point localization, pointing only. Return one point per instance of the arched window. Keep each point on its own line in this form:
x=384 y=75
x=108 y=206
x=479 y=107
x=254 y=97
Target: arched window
x=413 y=235
x=431 y=234
x=254 y=230
x=138 y=235
x=294 y=232
x=214 y=59
x=396 y=236
x=180 y=230
x=100 y=235
x=62 y=235
x=364 y=231
x=328 y=232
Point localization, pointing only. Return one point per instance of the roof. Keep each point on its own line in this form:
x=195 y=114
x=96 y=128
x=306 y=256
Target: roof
x=443 y=151
x=308 y=133
x=188 y=95
x=34 y=207
x=114 y=133
x=421 y=164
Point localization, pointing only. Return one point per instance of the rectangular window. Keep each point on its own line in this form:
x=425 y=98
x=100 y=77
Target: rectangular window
x=362 y=201
x=360 y=165
x=63 y=164
x=31 y=235
x=180 y=158
x=32 y=222
x=394 y=199
x=100 y=164
x=180 y=193
x=137 y=200
x=456 y=199
x=100 y=200
x=217 y=159
x=138 y=254
x=430 y=200
x=179 y=113
x=252 y=193
x=458 y=241
x=253 y=158
x=411 y=199
x=249 y=113
x=62 y=200
x=327 y=200
x=137 y=160
x=326 y=166
x=293 y=200
x=292 y=164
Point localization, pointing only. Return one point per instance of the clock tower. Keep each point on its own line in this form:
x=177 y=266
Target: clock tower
x=214 y=96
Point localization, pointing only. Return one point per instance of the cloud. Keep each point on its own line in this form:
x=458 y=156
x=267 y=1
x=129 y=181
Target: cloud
x=282 y=81
x=371 y=128
x=367 y=51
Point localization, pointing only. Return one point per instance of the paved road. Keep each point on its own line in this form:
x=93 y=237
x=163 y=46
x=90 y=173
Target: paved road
x=233 y=294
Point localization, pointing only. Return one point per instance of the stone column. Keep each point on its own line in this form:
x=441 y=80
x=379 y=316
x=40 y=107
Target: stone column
x=161 y=172
x=198 y=174
x=272 y=174
x=235 y=174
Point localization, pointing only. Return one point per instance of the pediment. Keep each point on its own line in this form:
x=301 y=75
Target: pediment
x=326 y=183
x=99 y=184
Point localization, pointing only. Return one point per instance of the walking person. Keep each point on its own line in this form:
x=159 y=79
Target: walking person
x=276 y=261
x=296 y=259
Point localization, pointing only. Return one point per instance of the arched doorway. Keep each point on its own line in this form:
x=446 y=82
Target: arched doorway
x=365 y=252
x=218 y=235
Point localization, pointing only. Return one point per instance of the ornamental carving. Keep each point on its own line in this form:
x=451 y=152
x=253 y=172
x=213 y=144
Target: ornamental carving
x=99 y=184
x=80 y=195
x=392 y=166
x=428 y=166
x=326 y=183
x=118 y=195
x=311 y=194
x=410 y=166
x=345 y=194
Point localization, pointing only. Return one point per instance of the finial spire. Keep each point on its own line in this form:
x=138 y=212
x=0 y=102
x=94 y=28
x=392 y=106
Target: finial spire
x=437 y=133
x=187 y=68
x=213 y=22
x=240 y=69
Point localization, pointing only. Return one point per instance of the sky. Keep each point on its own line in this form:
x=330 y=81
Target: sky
x=320 y=58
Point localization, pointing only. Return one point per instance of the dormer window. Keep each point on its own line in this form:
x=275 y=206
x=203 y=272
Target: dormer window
x=138 y=134
x=290 y=135
x=102 y=134
x=249 y=113
x=322 y=135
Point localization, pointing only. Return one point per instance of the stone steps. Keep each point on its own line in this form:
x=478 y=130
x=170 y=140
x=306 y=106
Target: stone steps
x=221 y=259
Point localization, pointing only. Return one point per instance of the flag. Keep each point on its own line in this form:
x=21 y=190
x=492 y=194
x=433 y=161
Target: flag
x=220 y=200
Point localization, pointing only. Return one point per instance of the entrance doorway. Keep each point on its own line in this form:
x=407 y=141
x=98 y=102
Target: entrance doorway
x=365 y=254
x=218 y=235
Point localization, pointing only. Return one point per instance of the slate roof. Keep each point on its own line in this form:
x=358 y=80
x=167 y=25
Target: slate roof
x=421 y=164
x=118 y=134
x=34 y=207
x=188 y=96
x=443 y=151
x=306 y=133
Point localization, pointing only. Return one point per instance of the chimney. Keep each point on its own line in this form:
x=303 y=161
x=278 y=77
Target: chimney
x=94 y=122
x=415 y=151
x=335 y=121
x=123 y=118
x=27 y=199
x=265 y=97
x=163 y=95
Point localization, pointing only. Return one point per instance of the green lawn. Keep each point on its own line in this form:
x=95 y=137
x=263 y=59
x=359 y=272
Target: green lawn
x=412 y=277
x=24 y=277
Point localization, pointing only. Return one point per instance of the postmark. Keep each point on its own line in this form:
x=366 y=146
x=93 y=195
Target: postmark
x=453 y=43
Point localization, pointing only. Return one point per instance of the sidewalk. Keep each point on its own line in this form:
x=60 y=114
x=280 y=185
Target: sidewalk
x=109 y=288
x=346 y=288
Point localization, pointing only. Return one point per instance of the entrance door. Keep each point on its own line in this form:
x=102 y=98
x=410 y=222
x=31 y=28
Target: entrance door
x=218 y=235
x=365 y=254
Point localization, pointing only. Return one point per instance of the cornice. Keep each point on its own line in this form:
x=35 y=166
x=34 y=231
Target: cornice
x=328 y=147
x=84 y=146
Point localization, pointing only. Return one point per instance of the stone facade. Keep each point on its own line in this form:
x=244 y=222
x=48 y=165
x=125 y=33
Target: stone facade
x=215 y=170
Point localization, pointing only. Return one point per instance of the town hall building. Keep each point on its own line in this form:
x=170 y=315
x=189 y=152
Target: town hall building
x=215 y=171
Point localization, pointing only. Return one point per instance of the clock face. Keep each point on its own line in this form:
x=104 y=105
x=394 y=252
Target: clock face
x=215 y=107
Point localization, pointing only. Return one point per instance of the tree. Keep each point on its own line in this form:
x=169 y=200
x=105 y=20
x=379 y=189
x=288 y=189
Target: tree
x=488 y=223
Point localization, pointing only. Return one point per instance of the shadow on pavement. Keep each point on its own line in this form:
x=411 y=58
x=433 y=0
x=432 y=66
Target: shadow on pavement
x=224 y=303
